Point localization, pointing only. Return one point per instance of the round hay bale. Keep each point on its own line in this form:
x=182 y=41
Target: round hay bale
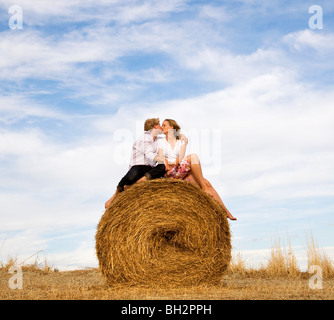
x=163 y=232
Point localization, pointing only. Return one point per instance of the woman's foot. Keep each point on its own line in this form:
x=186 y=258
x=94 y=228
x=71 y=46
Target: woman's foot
x=212 y=193
x=230 y=216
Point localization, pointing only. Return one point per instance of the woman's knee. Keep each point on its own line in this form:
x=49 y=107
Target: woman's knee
x=193 y=158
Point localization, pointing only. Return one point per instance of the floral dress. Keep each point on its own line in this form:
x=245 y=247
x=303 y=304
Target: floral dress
x=180 y=171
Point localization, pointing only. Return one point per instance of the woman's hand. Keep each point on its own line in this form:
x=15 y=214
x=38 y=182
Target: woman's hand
x=184 y=139
x=167 y=165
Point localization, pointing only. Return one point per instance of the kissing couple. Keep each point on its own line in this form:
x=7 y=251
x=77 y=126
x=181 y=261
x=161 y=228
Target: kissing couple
x=155 y=157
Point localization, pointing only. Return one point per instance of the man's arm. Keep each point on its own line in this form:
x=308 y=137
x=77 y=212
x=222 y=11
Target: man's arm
x=151 y=157
x=161 y=156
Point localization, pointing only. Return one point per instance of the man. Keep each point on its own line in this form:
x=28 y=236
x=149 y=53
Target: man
x=145 y=164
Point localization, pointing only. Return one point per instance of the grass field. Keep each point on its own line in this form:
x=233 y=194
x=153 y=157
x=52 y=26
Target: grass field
x=280 y=279
x=88 y=284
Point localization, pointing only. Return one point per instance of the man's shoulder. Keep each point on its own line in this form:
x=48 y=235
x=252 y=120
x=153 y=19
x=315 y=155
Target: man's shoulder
x=146 y=136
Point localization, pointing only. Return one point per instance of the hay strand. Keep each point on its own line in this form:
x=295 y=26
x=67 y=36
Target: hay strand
x=163 y=232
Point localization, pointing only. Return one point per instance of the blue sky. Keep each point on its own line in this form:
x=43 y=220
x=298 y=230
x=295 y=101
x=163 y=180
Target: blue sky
x=248 y=81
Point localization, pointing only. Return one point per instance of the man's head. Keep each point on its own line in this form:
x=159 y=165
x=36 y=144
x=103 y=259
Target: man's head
x=153 y=125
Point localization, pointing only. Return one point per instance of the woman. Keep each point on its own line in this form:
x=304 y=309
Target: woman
x=180 y=167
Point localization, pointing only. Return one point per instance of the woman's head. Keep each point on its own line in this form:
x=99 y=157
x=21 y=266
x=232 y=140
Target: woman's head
x=170 y=124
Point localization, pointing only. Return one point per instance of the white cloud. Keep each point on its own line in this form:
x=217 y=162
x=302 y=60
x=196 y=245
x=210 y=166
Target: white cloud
x=69 y=59
x=43 y=12
x=16 y=107
x=31 y=55
x=300 y=40
x=215 y=12
x=213 y=64
x=276 y=136
x=192 y=45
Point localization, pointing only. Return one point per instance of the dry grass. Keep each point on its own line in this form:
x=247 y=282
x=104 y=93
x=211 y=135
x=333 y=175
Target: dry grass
x=317 y=257
x=89 y=284
x=282 y=262
x=281 y=279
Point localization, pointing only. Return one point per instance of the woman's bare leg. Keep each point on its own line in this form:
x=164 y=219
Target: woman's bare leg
x=196 y=170
x=217 y=197
x=192 y=179
x=197 y=177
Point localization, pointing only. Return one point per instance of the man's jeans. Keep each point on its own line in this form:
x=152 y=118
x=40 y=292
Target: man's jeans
x=137 y=172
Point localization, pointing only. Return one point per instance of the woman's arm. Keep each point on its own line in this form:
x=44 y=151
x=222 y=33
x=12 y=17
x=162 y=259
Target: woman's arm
x=182 y=154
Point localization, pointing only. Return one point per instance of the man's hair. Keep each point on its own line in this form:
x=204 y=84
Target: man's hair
x=150 y=123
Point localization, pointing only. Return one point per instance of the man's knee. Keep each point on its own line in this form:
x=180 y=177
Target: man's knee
x=158 y=172
x=130 y=178
x=161 y=168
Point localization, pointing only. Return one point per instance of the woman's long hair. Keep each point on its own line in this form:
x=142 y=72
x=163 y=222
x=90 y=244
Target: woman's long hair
x=177 y=128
